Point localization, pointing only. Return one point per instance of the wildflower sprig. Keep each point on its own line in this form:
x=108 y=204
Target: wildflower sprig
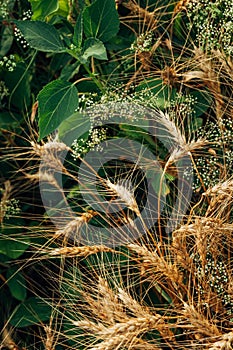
x=220 y=153
x=9 y=208
x=213 y=23
x=143 y=43
x=8 y=63
x=82 y=146
x=214 y=272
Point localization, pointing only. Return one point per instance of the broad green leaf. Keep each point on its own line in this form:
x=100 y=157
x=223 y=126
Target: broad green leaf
x=78 y=31
x=70 y=70
x=93 y=48
x=41 y=36
x=18 y=83
x=7 y=38
x=16 y=283
x=30 y=312
x=43 y=8
x=64 y=6
x=101 y=20
x=13 y=247
x=57 y=101
x=74 y=127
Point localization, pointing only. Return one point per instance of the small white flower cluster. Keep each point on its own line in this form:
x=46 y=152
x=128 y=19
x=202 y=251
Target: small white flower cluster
x=220 y=137
x=19 y=37
x=27 y=14
x=213 y=22
x=10 y=208
x=143 y=43
x=8 y=63
x=114 y=93
x=4 y=92
x=214 y=272
x=81 y=146
x=86 y=100
x=182 y=106
x=4 y=11
x=145 y=97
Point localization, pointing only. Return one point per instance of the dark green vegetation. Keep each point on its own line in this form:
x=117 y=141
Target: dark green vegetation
x=66 y=68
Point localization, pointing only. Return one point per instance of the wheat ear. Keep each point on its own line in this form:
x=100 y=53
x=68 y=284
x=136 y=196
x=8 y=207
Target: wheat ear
x=79 y=251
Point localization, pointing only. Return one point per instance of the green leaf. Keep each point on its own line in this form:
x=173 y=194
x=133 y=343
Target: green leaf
x=93 y=48
x=18 y=83
x=78 y=31
x=73 y=128
x=30 y=312
x=101 y=20
x=70 y=70
x=57 y=101
x=16 y=284
x=7 y=38
x=13 y=247
x=64 y=6
x=43 y=8
x=41 y=36
x=157 y=183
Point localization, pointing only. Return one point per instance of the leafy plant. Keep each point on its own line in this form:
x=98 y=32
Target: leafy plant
x=116 y=181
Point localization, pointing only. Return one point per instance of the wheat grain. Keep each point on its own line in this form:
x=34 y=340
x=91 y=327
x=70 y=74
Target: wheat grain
x=225 y=343
x=147 y=17
x=125 y=192
x=79 y=251
x=198 y=322
x=72 y=229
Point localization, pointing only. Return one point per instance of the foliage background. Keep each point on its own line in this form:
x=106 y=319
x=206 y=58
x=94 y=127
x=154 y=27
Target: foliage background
x=58 y=58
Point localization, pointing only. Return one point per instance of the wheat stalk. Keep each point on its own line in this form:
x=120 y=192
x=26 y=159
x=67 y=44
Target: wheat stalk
x=79 y=251
x=198 y=322
x=125 y=192
x=137 y=10
x=153 y=262
x=116 y=343
x=225 y=343
x=127 y=332
x=7 y=340
x=73 y=227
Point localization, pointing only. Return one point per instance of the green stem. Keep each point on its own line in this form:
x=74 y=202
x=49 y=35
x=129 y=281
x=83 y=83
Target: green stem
x=92 y=76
